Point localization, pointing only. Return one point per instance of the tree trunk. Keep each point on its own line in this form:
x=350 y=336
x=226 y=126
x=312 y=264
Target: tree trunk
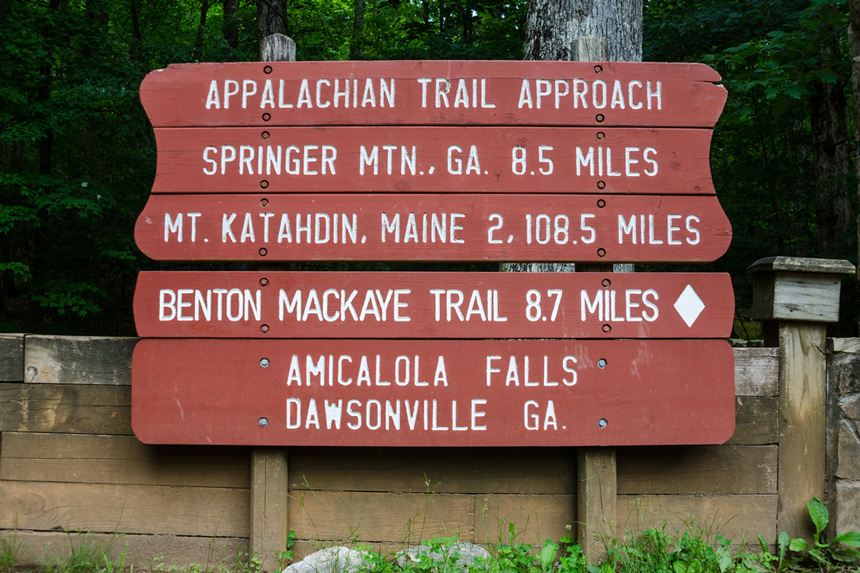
x=230 y=28
x=356 y=45
x=549 y=29
x=854 y=46
x=619 y=23
x=46 y=143
x=272 y=17
x=552 y=29
x=832 y=158
x=201 y=28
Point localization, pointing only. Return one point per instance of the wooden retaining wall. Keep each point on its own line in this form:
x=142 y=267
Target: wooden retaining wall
x=69 y=463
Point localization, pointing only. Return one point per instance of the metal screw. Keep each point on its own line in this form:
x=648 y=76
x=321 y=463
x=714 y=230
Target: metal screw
x=600 y=135
x=601 y=184
x=601 y=203
x=601 y=363
x=607 y=328
x=267 y=116
x=267 y=69
x=264 y=184
x=264 y=328
x=265 y=135
x=606 y=282
x=601 y=423
x=601 y=252
x=264 y=281
x=263 y=422
x=598 y=69
x=599 y=117
x=263 y=251
x=264 y=362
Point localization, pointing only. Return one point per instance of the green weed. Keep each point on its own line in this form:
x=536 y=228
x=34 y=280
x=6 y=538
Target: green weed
x=10 y=551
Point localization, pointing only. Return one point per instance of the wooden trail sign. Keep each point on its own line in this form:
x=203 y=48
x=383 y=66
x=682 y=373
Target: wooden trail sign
x=436 y=393
x=433 y=92
x=429 y=159
x=432 y=305
x=444 y=227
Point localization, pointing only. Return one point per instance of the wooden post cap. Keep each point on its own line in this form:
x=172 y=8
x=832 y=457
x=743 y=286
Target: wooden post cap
x=797 y=288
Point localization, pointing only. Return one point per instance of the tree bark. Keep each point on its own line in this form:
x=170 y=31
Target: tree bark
x=554 y=27
x=619 y=23
x=201 y=27
x=230 y=28
x=854 y=46
x=832 y=158
x=272 y=17
x=356 y=44
x=549 y=29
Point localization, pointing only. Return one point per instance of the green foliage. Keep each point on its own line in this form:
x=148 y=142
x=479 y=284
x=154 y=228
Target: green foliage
x=86 y=555
x=77 y=156
x=843 y=548
x=771 y=54
x=11 y=549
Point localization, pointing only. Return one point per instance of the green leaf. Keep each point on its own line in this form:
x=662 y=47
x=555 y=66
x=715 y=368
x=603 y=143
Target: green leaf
x=782 y=543
x=547 y=554
x=851 y=538
x=845 y=554
x=798 y=544
x=679 y=567
x=818 y=513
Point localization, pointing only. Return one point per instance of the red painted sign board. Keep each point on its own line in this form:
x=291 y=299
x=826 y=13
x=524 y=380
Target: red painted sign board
x=235 y=304
x=444 y=227
x=433 y=393
x=434 y=92
x=431 y=159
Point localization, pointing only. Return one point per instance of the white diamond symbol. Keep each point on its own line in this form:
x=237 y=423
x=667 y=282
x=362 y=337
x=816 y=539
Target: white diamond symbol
x=689 y=305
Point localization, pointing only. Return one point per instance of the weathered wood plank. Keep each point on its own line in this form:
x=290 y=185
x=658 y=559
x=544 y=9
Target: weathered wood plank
x=797 y=288
x=375 y=517
x=65 y=408
x=756 y=371
x=738 y=518
x=756 y=420
x=848 y=345
x=11 y=357
x=803 y=412
x=78 y=359
x=197 y=511
x=269 y=503
x=535 y=518
x=596 y=497
x=697 y=470
x=80 y=458
x=144 y=552
x=410 y=470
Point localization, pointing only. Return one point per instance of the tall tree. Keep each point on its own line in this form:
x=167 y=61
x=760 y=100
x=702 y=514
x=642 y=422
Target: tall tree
x=272 y=17
x=356 y=44
x=854 y=46
x=230 y=25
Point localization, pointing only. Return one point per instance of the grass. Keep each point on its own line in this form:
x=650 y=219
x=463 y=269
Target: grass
x=655 y=550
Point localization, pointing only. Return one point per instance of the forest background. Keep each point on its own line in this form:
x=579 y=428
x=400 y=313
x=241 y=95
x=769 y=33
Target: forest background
x=77 y=154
